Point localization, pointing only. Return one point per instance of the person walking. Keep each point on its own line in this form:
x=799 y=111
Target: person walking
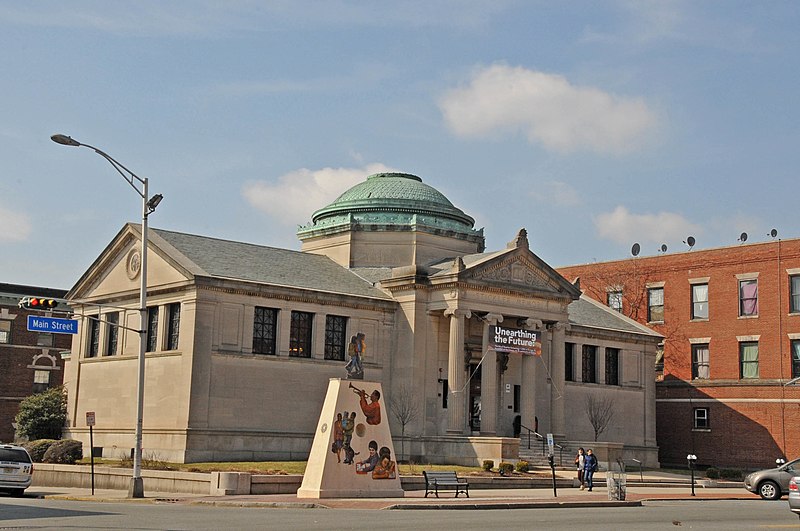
x=580 y=459
x=589 y=468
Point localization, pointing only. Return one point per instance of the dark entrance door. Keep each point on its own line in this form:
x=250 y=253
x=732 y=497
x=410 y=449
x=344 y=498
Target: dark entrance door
x=475 y=398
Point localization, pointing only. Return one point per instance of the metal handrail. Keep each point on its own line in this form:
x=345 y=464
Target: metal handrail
x=530 y=432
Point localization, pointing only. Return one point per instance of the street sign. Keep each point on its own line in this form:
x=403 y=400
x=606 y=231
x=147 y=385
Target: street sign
x=90 y=418
x=550 y=443
x=53 y=325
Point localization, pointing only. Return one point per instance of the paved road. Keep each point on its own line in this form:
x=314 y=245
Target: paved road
x=32 y=513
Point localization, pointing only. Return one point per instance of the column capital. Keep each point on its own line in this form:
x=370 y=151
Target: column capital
x=533 y=324
x=493 y=318
x=457 y=312
x=561 y=325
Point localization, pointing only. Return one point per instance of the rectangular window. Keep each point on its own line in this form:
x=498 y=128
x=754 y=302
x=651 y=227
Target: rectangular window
x=795 y=358
x=5 y=331
x=112 y=333
x=614 y=300
x=612 y=366
x=265 y=325
x=748 y=359
x=655 y=305
x=335 y=337
x=569 y=362
x=94 y=336
x=44 y=339
x=589 y=364
x=152 y=329
x=700 y=368
x=300 y=334
x=794 y=294
x=748 y=298
x=41 y=381
x=699 y=301
x=701 y=418
x=173 y=325
x=517 y=397
x=445 y=392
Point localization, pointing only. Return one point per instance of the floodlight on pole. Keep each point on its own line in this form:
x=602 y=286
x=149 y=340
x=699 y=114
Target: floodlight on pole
x=149 y=204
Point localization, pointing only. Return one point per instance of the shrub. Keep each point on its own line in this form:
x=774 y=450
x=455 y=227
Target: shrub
x=65 y=452
x=731 y=473
x=522 y=466
x=488 y=465
x=41 y=416
x=505 y=468
x=712 y=473
x=38 y=448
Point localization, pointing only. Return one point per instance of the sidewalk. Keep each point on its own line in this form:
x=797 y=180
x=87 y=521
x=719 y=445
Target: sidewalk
x=656 y=486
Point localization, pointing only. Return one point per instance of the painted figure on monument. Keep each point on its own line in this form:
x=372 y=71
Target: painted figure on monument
x=371 y=409
x=356 y=351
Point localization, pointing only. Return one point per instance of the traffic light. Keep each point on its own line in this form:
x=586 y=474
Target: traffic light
x=37 y=303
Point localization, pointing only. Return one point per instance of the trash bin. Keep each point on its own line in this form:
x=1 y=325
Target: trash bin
x=616 y=485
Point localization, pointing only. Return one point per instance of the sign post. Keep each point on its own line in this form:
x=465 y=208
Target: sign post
x=90 y=422
x=551 y=459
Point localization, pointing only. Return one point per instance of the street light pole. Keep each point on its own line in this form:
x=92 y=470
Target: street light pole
x=149 y=204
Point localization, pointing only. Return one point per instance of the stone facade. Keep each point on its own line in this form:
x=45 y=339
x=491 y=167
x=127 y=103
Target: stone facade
x=216 y=390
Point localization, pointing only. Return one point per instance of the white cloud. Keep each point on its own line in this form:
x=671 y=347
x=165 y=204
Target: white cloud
x=16 y=225
x=622 y=226
x=552 y=112
x=297 y=194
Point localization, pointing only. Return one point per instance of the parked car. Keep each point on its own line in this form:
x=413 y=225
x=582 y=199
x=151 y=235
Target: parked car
x=16 y=469
x=794 y=495
x=772 y=483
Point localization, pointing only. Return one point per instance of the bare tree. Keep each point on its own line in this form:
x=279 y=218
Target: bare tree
x=405 y=409
x=600 y=410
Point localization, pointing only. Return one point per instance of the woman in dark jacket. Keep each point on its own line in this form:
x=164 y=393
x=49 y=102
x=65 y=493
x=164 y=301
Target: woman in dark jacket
x=589 y=468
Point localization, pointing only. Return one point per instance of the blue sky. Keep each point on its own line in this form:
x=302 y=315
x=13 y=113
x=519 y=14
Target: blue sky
x=594 y=125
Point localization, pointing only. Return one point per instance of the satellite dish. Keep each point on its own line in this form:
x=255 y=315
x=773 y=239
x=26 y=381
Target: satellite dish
x=635 y=249
x=773 y=232
x=663 y=247
x=743 y=237
x=690 y=241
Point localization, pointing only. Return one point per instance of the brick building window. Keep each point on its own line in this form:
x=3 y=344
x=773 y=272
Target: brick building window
x=748 y=360
x=589 y=364
x=335 y=337
x=173 y=325
x=794 y=293
x=700 y=367
x=112 y=333
x=612 y=366
x=655 y=305
x=569 y=362
x=5 y=331
x=265 y=324
x=748 y=298
x=795 y=358
x=44 y=339
x=41 y=381
x=152 y=329
x=614 y=300
x=300 y=334
x=699 y=301
x=94 y=337
x=701 y=420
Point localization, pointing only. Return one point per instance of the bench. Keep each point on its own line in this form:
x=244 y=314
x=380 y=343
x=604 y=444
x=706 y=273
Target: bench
x=447 y=480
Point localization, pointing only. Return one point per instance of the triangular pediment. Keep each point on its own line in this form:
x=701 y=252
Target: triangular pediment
x=117 y=270
x=517 y=269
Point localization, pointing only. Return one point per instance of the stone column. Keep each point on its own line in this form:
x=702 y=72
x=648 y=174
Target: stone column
x=456 y=374
x=557 y=380
x=528 y=380
x=489 y=380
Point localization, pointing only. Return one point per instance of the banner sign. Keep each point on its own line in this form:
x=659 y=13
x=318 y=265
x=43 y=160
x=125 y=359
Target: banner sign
x=504 y=339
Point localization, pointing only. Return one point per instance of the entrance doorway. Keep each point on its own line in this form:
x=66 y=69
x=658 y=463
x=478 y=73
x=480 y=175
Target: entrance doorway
x=475 y=398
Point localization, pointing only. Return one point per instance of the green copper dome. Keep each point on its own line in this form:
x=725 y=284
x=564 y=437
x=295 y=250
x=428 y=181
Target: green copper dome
x=392 y=201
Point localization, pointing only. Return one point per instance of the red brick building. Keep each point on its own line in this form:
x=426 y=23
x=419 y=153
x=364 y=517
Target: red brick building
x=30 y=362
x=730 y=318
